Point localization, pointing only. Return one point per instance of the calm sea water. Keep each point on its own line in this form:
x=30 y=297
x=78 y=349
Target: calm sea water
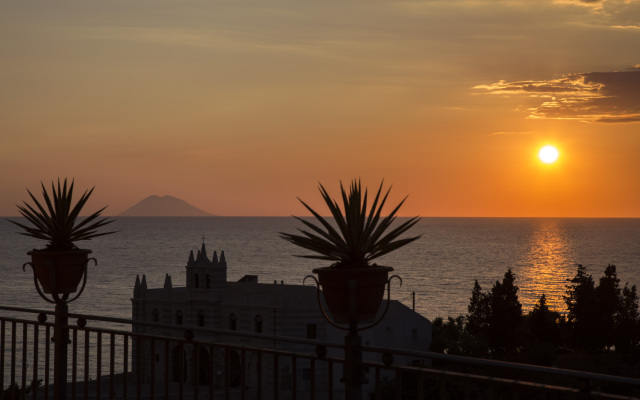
x=440 y=267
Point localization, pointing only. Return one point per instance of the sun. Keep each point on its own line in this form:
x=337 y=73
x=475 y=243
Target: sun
x=548 y=154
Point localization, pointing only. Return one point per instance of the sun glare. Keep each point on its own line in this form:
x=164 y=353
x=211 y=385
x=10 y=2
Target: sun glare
x=548 y=154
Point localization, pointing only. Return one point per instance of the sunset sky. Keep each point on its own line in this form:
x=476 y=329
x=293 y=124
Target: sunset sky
x=239 y=107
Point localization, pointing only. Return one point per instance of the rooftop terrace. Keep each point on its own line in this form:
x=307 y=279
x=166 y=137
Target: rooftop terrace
x=107 y=358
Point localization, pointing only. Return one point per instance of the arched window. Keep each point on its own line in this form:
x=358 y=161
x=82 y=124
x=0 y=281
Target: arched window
x=257 y=323
x=179 y=317
x=155 y=315
x=200 y=318
x=207 y=281
x=196 y=281
x=232 y=321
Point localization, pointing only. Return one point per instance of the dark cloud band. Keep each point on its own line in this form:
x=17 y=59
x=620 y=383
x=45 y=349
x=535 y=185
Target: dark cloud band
x=591 y=96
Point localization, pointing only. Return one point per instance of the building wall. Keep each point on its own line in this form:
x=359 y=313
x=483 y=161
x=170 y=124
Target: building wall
x=284 y=310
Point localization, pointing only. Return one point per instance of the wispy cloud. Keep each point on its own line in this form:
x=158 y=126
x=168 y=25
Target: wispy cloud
x=578 y=1
x=626 y=27
x=512 y=133
x=590 y=96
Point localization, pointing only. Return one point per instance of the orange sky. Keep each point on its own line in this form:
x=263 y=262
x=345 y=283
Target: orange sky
x=240 y=107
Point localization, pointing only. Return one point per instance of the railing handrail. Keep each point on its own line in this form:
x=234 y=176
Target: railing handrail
x=312 y=342
x=506 y=364
x=227 y=332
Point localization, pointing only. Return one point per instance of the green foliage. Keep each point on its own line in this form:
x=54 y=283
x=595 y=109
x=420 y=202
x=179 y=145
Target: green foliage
x=506 y=314
x=604 y=315
x=581 y=303
x=541 y=335
x=57 y=223
x=607 y=304
x=495 y=316
x=451 y=337
x=544 y=324
x=361 y=233
x=479 y=311
x=627 y=321
x=15 y=391
x=597 y=317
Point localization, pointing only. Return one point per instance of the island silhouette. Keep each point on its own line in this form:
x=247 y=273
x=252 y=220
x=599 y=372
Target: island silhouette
x=164 y=206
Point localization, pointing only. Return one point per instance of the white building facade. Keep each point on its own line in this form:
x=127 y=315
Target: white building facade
x=210 y=301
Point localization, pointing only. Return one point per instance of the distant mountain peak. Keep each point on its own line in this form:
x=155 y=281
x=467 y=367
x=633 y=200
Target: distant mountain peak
x=163 y=206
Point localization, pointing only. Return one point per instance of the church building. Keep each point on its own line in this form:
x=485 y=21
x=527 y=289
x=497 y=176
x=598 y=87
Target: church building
x=210 y=301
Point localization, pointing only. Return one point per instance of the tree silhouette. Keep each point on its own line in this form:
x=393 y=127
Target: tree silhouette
x=598 y=317
x=627 y=321
x=506 y=314
x=451 y=337
x=581 y=304
x=607 y=304
x=495 y=316
x=602 y=316
x=543 y=323
x=479 y=312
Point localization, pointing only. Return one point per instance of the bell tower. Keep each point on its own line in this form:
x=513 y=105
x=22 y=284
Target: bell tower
x=204 y=275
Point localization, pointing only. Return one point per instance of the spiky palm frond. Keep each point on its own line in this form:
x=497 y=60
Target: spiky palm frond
x=56 y=220
x=359 y=234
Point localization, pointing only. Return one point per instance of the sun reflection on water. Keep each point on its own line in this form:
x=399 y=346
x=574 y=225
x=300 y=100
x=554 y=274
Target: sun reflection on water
x=546 y=266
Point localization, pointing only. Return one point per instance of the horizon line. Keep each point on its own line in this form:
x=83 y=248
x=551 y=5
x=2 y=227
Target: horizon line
x=329 y=216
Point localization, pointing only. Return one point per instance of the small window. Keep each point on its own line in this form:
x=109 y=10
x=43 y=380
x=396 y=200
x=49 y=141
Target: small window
x=311 y=331
x=179 y=317
x=155 y=315
x=414 y=333
x=196 y=281
x=207 y=281
x=257 y=324
x=200 y=318
x=232 y=321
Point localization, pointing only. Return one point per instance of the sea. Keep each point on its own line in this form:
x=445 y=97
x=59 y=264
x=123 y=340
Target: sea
x=437 y=271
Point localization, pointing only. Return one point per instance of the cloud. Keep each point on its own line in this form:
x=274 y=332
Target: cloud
x=612 y=13
x=596 y=4
x=512 y=133
x=589 y=96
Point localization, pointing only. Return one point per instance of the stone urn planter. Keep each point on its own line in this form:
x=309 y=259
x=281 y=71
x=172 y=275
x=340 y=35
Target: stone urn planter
x=61 y=265
x=356 y=236
x=59 y=271
x=370 y=286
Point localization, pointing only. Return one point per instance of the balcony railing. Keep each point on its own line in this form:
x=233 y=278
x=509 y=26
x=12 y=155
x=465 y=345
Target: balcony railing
x=111 y=358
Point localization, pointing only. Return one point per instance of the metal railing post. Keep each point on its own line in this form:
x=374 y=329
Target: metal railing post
x=353 y=370
x=61 y=325
x=466 y=377
x=61 y=336
x=353 y=374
